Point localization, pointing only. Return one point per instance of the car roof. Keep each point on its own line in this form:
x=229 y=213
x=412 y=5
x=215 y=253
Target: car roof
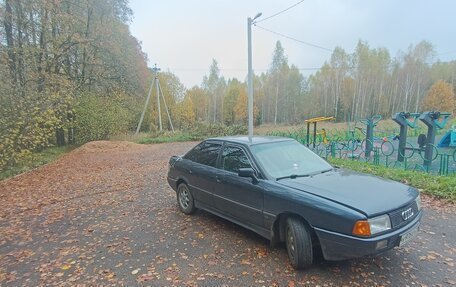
x=245 y=140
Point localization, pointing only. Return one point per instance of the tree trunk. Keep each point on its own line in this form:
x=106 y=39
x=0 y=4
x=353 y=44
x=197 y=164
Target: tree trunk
x=8 y=24
x=276 y=100
x=60 y=137
x=41 y=50
x=84 y=52
x=214 y=97
x=20 y=46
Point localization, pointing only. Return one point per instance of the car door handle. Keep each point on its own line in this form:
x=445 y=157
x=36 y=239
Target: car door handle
x=218 y=180
x=189 y=171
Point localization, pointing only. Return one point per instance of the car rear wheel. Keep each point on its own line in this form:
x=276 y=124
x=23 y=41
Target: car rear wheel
x=185 y=199
x=299 y=243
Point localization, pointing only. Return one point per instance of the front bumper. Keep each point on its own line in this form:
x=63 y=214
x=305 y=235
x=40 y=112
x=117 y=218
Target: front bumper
x=336 y=246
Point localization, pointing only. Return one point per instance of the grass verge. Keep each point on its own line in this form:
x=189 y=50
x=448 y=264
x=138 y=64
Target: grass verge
x=197 y=133
x=35 y=160
x=176 y=137
x=440 y=186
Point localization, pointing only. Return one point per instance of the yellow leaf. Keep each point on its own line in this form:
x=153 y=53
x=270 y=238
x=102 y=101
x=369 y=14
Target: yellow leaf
x=65 y=267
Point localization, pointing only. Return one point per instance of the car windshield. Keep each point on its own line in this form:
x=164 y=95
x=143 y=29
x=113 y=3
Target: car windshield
x=288 y=159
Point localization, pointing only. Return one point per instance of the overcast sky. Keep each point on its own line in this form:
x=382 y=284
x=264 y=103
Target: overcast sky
x=184 y=36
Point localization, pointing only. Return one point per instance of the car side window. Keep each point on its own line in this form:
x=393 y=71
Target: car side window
x=234 y=158
x=205 y=153
x=193 y=154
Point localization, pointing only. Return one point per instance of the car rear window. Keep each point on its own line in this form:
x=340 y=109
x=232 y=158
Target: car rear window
x=205 y=153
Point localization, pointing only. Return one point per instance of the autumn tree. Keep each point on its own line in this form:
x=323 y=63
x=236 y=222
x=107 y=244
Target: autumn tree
x=369 y=81
x=185 y=113
x=240 y=109
x=414 y=75
x=200 y=101
x=278 y=69
x=214 y=85
x=231 y=100
x=440 y=97
x=56 y=57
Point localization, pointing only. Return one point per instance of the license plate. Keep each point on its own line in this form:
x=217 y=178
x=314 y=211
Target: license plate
x=406 y=237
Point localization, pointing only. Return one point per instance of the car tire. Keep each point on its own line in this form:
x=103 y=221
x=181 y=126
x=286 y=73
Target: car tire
x=185 y=199
x=299 y=243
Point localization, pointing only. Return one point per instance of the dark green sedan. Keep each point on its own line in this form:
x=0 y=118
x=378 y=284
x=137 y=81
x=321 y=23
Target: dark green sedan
x=286 y=193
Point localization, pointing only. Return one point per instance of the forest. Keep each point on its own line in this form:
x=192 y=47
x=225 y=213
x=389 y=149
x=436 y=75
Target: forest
x=349 y=86
x=71 y=72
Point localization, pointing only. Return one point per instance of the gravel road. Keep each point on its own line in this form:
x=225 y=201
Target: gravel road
x=105 y=215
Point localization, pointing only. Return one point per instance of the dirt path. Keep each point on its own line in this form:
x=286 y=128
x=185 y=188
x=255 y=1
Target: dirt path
x=105 y=215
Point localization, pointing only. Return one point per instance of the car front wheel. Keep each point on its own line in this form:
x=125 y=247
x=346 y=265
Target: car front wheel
x=185 y=199
x=299 y=243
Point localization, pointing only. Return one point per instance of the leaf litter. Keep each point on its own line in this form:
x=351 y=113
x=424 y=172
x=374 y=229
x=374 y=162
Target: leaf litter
x=104 y=215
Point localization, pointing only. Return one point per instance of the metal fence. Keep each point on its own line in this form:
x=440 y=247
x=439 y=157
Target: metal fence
x=351 y=144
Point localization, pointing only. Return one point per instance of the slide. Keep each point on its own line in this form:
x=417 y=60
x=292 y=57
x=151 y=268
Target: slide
x=448 y=140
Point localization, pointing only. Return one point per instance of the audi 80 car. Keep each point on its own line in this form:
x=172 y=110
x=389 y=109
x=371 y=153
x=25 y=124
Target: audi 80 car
x=283 y=191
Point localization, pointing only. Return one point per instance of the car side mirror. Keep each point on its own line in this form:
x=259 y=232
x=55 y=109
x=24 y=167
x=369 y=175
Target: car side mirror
x=248 y=172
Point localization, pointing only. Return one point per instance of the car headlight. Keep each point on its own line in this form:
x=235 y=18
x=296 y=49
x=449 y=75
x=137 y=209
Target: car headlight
x=379 y=224
x=418 y=202
x=372 y=226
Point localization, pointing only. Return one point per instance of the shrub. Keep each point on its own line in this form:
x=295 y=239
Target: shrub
x=29 y=123
x=216 y=130
x=199 y=132
x=100 y=117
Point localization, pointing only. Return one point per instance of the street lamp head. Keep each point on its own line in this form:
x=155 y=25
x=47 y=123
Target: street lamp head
x=257 y=16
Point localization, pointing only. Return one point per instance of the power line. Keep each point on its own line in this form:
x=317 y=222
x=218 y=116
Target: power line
x=294 y=5
x=294 y=39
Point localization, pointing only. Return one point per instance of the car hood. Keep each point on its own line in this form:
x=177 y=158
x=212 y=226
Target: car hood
x=368 y=194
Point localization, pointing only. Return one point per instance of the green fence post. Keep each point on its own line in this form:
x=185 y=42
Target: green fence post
x=443 y=170
x=376 y=155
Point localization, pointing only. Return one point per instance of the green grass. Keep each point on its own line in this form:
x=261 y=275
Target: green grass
x=34 y=161
x=177 y=137
x=197 y=133
x=440 y=186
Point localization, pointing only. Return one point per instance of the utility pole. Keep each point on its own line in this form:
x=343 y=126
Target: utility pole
x=156 y=84
x=250 y=73
x=156 y=70
x=145 y=108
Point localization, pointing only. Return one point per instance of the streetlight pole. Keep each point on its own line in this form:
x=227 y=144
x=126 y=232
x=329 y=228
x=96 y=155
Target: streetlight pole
x=250 y=73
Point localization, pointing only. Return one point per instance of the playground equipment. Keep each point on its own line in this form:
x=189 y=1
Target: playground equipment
x=314 y=121
x=433 y=120
x=449 y=139
x=390 y=148
x=370 y=123
x=404 y=120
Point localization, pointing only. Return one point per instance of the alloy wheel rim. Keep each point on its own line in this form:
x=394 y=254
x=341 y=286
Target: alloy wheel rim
x=291 y=243
x=184 y=198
